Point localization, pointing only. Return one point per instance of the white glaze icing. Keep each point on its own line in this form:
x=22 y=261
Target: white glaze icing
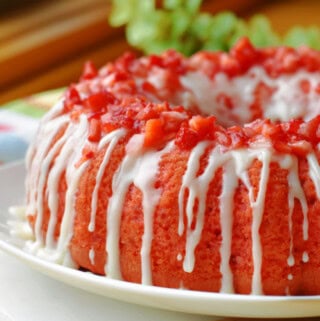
x=287 y=163
x=257 y=213
x=305 y=257
x=37 y=182
x=111 y=140
x=53 y=178
x=69 y=154
x=314 y=172
x=296 y=192
x=144 y=179
x=140 y=169
x=198 y=188
x=18 y=225
x=204 y=92
x=284 y=104
x=92 y=256
x=230 y=183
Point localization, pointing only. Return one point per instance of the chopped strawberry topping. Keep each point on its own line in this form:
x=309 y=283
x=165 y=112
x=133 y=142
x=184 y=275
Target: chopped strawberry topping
x=72 y=98
x=99 y=101
x=204 y=126
x=186 y=137
x=140 y=95
x=154 y=132
x=245 y=54
x=94 y=130
x=89 y=71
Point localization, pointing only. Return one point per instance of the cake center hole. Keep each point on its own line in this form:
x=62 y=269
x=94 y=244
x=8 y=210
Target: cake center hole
x=242 y=99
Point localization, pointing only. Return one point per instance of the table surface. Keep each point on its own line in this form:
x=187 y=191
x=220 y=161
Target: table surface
x=44 y=46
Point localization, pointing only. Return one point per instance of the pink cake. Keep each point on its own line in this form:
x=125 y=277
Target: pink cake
x=199 y=173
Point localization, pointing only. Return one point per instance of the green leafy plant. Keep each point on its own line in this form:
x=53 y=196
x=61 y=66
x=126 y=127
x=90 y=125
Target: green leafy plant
x=180 y=25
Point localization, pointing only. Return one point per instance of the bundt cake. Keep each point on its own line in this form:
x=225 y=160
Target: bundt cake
x=198 y=173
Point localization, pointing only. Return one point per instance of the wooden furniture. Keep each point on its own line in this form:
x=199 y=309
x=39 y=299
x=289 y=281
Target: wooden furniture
x=44 y=45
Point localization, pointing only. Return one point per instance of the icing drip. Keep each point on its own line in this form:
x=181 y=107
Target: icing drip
x=314 y=172
x=192 y=168
x=37 y=183
x=257 y=213
x=291 y=206
x=67 y=141
x=69 y=154
x=120 y=185
x=287 y=163
x=198 y=189
x=296 y=192
x=92 y=256
x=243 y=161
x=305 y=257
x=53 y=181
x=66 y=230
x=145 y=181
x=230 y=183
x=111 y=139
x=139 y=169
x=52 y=113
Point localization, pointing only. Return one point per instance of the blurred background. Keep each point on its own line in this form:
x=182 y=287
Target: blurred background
x=43 y=44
